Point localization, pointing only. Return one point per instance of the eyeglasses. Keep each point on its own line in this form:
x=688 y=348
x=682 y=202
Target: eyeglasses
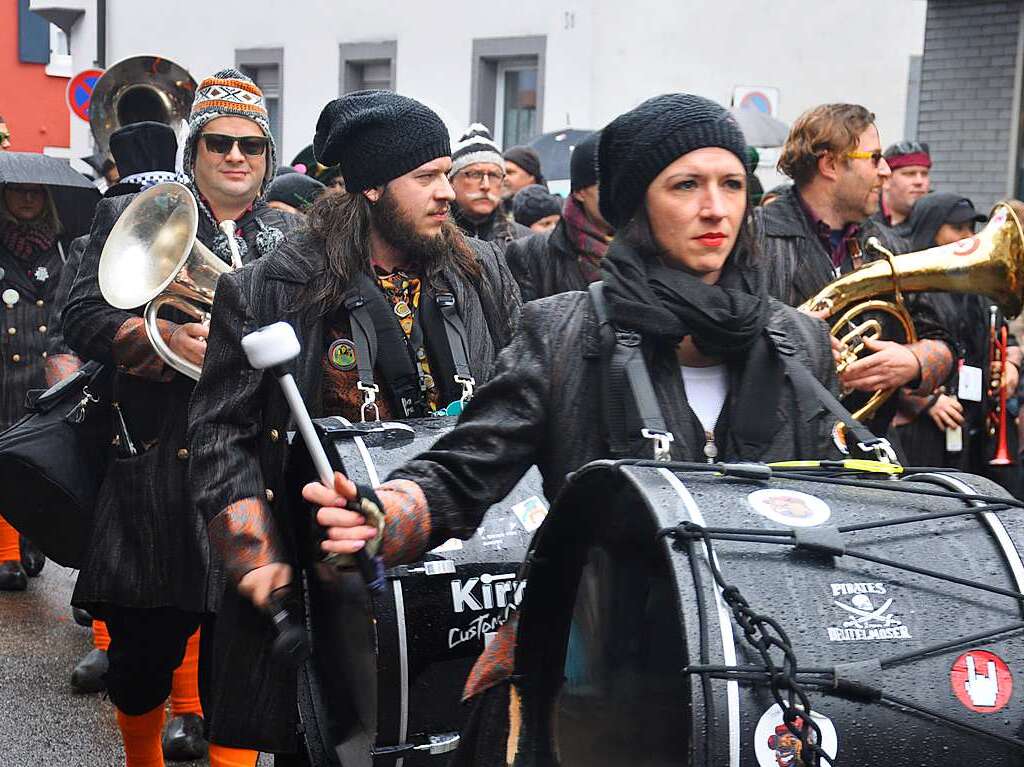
x=875 y=157
x=218 y=143
x=478 y=176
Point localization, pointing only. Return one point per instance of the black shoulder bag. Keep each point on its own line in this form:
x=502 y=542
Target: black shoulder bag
x=53 y=460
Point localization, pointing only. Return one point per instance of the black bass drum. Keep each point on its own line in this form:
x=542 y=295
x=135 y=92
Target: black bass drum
x=388 y=669
x=903 y=612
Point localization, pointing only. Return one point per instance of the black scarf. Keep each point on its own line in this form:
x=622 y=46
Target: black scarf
x=725 y=320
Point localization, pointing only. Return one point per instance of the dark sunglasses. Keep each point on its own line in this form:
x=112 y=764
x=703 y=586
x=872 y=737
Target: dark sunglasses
x=218 y=143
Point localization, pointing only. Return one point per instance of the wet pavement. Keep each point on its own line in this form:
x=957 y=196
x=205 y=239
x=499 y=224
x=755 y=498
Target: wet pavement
x=43 y=722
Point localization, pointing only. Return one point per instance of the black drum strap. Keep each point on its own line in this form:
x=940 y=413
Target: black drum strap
x=379 y=339
x=626 y=371
x=455 y=330
x=810 y=388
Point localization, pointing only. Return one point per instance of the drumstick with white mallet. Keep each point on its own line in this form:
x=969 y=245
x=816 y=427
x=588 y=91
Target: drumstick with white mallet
x=270 y=348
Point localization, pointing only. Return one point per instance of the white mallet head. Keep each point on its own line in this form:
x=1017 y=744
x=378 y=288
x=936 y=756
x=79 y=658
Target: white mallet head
x=271 y=345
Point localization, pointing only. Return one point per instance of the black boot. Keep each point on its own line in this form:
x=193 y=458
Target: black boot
x=88 y=674
x=12 y=576
x=183 y=739
x=82 y=617
x=32 y=559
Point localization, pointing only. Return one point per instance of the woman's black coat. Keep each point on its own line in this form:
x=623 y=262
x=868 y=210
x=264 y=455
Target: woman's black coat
x=543 y=406
x=238 y=419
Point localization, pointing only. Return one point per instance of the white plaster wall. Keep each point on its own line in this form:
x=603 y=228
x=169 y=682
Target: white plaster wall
x=603 y=56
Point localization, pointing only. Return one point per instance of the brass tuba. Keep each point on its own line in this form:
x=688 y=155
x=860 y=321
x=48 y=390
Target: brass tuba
x=136 y=89
x=990 y=263
x=152 y=257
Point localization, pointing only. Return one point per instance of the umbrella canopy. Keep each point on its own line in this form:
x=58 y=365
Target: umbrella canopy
x=759 y=128
x=555 y=148
x=73 y=194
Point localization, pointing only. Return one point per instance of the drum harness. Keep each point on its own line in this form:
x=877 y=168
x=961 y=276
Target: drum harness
x=762 y=631
x=371 y=317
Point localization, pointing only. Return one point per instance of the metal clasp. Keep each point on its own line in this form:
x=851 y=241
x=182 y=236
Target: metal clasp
x=882 y=449
x=662 y=443
x=467 y=383
x=369 y=400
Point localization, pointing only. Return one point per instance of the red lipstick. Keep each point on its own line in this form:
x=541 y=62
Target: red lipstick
x=711 y=239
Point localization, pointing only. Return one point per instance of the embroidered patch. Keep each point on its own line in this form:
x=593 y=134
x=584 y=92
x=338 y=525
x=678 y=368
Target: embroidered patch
x=342 y=354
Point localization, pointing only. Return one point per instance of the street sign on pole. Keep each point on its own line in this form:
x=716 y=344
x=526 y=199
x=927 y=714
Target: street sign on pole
x=79 y=93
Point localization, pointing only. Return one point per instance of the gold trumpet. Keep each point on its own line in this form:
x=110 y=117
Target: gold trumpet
x=990 y=263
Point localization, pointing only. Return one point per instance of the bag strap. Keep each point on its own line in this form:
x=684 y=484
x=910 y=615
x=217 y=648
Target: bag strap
x=809 y=387
x=455 y=330
x=627 y=369
x=364 y=338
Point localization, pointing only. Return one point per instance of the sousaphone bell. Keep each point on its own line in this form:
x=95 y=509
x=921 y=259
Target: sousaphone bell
x=152 y=258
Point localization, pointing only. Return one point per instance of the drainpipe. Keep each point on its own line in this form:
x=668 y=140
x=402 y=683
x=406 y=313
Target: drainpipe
x=101 y=34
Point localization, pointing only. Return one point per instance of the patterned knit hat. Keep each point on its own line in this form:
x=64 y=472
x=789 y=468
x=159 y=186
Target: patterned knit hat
x=228 y=93
x=473 y=146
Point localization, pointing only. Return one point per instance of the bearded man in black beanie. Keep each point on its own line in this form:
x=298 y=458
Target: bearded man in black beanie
x=681 y=275
x=383 y=254
x=569 y=257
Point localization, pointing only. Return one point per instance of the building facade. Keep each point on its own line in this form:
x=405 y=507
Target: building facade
x=970 y=97
x=36 y=68
x=522 y=68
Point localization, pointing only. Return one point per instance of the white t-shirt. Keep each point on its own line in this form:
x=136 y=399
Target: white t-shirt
x=706 y=389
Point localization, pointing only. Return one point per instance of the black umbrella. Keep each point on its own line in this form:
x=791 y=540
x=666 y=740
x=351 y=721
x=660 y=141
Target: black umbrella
x=554 y=149
x=73 y=194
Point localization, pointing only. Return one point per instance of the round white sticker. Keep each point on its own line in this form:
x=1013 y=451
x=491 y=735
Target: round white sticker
x=790 y=507
x=776 y=746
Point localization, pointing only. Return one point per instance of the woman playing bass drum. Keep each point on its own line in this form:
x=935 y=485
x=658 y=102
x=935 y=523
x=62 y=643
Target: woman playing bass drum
x=683 y=290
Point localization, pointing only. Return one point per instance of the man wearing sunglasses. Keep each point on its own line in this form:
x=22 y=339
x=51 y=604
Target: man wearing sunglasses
x=819 y=229
x=147 y=571
x=477 y=174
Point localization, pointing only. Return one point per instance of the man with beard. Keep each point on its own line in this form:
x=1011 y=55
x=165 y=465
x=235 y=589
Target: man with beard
x=819 y=228
x=477 y=175
x=145 y=572
x=569 y=257
x=382 y=257
x=910 y=163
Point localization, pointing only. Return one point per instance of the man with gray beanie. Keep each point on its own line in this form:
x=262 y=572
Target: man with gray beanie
x=148 y=568
x=568 y=257
x=477 y=174
x=372 y=285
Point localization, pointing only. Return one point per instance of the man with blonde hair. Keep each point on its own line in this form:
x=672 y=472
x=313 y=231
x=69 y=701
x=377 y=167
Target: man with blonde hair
x=819 y=229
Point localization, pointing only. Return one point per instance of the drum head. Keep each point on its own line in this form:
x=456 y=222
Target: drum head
x=628 y=653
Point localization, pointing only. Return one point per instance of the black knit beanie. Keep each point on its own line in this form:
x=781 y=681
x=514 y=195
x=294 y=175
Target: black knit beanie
x=143 y=147
x=527 y=159
x=638 y=145
x=295 y=189
x=376 y=136
x=583 y=163
x=534 y=202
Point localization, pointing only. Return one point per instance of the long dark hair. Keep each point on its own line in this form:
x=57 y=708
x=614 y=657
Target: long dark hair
x=340 y=223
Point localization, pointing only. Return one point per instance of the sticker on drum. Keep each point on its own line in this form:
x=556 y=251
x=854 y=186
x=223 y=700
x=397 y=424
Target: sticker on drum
x=452 y=544
x=790 y=507
x=531 y=513
x=981 y=681
x=776 y=746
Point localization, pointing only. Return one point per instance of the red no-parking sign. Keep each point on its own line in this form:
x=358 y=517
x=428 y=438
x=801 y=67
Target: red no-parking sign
x=79 y=93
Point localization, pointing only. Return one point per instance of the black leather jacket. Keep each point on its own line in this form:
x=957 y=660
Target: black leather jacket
x=545 y=264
